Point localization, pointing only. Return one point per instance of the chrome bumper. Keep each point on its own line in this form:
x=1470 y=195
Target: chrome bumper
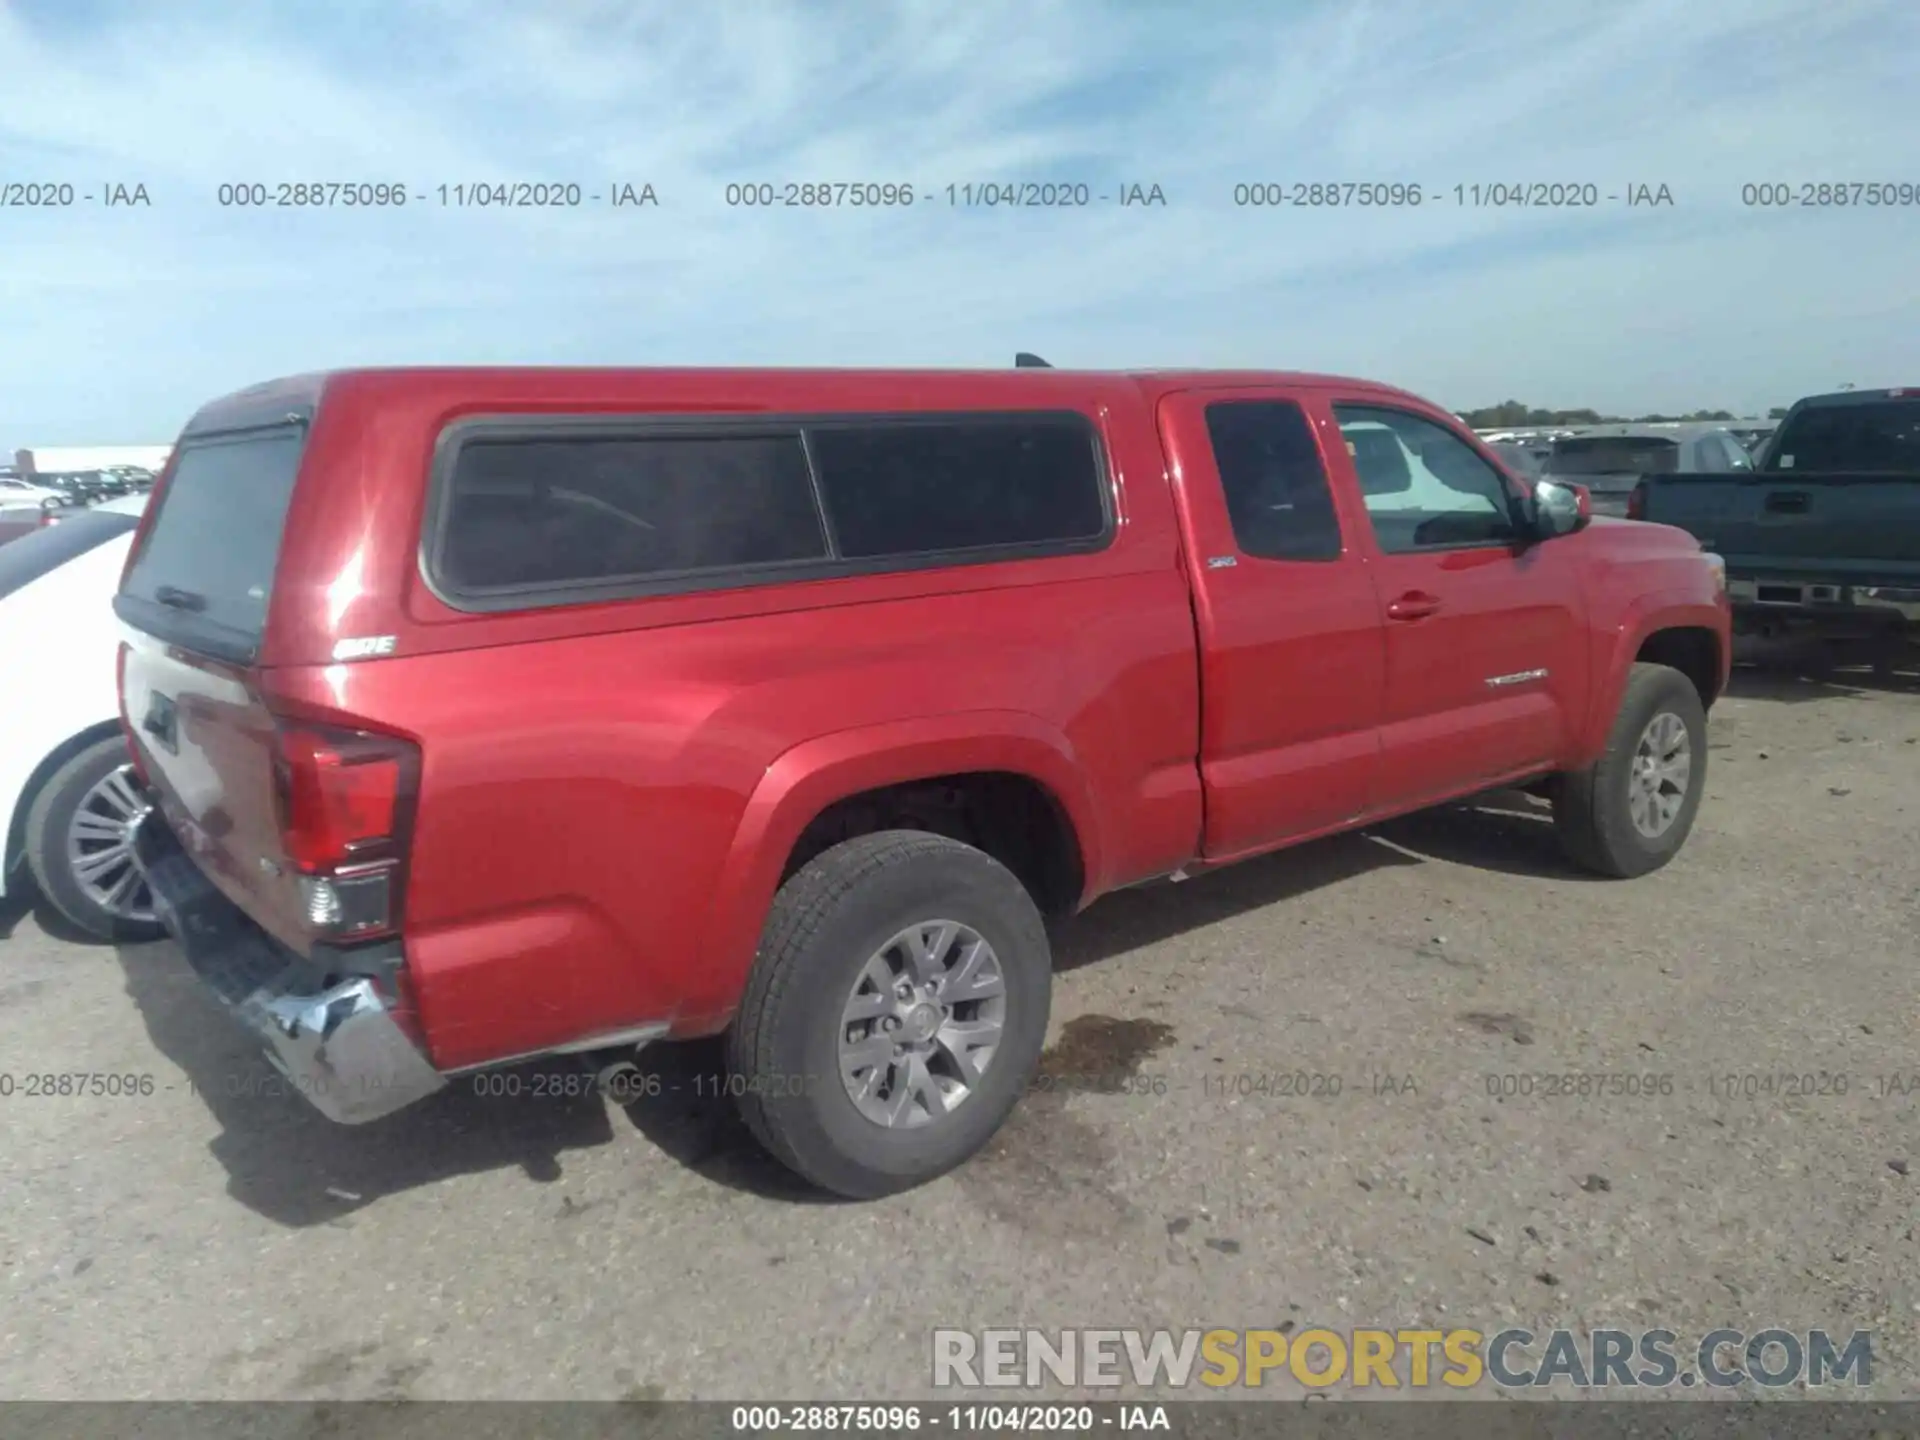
x=339 y=1045
x=1893 y=602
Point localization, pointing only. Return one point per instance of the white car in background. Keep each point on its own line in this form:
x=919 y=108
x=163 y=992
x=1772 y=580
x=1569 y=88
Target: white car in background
x=14 y=490
x=67 y=794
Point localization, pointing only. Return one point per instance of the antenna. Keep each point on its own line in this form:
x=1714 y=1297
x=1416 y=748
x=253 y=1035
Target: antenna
x=1027 y=360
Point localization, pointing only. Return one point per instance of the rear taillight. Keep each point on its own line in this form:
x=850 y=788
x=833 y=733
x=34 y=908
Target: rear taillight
x=346 y=801
x=126 y=720
x=1637 y=502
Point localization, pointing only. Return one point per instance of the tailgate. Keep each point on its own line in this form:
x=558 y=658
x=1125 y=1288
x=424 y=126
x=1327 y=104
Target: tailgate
x=1840 y=525
x=1609 y=466
x=193 y=604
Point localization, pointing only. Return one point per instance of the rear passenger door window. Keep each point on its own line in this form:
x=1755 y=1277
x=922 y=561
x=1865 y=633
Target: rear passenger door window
x=1278 y=498
x=1424 y=487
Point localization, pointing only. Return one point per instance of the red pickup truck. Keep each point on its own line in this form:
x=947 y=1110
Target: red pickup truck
x=500 y=713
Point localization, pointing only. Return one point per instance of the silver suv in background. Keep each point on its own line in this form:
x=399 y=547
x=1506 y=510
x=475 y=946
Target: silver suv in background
x=1611 y=460
x=1524 y=458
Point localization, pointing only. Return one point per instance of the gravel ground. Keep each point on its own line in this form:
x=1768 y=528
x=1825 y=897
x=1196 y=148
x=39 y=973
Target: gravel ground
x=205 y=1242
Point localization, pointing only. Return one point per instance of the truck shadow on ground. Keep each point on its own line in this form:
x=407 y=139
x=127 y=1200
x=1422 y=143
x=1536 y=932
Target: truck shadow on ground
x=694 y=1120
x=14 y=907
x=1505 y=831
x=290 y=1164
x=18 y=904
x=1796 y=669
x=1795 y=683
x=287 y=1162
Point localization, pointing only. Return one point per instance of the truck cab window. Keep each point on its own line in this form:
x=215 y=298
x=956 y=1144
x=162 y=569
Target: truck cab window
x=1278 y=497
x=1425 y=488
x=1861 y=437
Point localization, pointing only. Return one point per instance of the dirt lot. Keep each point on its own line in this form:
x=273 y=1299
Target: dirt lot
x=208 y=1240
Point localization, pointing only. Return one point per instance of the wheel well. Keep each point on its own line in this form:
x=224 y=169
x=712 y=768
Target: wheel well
x=17 y=825
x=1012 y=817
x=1695 y=653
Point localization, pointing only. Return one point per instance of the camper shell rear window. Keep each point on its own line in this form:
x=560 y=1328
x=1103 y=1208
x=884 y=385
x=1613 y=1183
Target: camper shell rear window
x=202 y=574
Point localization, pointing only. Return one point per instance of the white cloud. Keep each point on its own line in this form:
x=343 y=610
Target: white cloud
x=117 y=323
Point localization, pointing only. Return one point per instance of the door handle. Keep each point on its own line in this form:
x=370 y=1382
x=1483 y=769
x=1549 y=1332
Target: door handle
x=1414 y=605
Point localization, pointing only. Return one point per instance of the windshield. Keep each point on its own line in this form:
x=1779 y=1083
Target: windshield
x=203 y=572
x=1614 y=455
x=1871 y=438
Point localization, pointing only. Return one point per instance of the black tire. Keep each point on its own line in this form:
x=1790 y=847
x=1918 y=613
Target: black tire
x=49 y=816
x=825 y=923
x=1591 y=808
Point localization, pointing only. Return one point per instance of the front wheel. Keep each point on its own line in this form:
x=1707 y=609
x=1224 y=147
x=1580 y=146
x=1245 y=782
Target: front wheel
x=895 y=1013
x=79 y=845
x=1630 y=811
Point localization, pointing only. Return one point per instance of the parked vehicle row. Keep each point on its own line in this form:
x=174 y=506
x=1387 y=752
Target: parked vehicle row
x=490 y=714
x=1748 y=434
x=30 y=504
x=89 y=487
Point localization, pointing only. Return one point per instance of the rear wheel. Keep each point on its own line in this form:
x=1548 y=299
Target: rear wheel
x=895 y=1012
x=79 y=845
x=1630 y=811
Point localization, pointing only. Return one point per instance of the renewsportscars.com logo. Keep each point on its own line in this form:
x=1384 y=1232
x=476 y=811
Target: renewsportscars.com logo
x=1393 y=1359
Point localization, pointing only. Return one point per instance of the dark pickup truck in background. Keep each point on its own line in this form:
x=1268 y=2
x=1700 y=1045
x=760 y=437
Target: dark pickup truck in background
x=1822 y=539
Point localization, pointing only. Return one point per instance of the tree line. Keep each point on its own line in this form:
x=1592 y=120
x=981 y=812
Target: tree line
x=1512 y=415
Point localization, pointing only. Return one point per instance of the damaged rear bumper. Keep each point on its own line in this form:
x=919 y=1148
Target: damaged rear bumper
x=334 y=1037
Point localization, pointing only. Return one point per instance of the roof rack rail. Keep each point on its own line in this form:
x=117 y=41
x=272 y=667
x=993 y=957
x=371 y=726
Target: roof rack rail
x=1027 y=360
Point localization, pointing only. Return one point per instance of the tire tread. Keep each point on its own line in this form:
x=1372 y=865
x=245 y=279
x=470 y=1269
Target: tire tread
x=801 y=907
x=1588 y=827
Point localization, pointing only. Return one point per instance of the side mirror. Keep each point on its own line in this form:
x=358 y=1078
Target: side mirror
x=1560 y=509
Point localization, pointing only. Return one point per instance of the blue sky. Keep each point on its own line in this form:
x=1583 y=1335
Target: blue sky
x=116 y=323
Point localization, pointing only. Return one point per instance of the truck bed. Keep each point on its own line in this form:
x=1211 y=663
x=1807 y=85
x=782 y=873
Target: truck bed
x=1839 y=528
